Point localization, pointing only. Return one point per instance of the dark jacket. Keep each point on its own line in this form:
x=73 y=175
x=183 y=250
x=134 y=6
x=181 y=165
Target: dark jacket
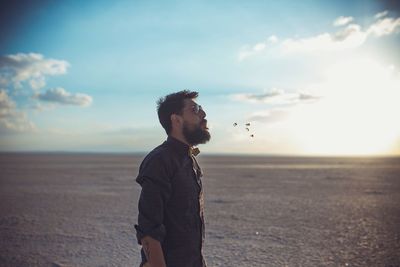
x=171 y=204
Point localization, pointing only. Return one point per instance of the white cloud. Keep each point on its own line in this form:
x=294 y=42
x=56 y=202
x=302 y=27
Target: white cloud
x=29 y=71
x=269 y=116
x=384 y=26
x=247 y=52
x=276 y=97
x=259 y=47
x=273 y=39
x=31 y=67
x=352 y=36
x=381 y=14
x=40 y=107
x=5 y=102
x=60 y=96
x=11 y=119
x=281 y=104
x=350 y=32
x=341 y=21
x=357 y=112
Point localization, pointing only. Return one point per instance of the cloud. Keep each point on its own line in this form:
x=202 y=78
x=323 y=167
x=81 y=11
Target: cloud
x=11 y=119
x=357 y=112
x=269 y=116
x=29 y=71
x=273 y=39
x=60 y=96
x=247 y=52
x=341 y=21
x=40 y=107
x=31 y=68
x=276 y=97
x=384 y=26
x=349 y=37
x=381 y=14
x=6 y=104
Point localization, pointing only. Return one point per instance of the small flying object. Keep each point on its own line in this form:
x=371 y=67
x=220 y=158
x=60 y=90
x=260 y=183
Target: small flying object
x=252 y=135
x=248 y=124
x=247 y=129
x=234 y=124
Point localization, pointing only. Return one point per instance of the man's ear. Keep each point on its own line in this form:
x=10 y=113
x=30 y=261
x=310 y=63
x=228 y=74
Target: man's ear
x=176 y=119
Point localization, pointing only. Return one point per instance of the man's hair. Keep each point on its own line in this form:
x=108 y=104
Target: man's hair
x=172 y=104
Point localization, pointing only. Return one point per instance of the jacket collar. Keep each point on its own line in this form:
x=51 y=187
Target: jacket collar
x=181 y=147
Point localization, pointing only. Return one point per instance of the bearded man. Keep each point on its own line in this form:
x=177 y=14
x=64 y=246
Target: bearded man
x=170 y=222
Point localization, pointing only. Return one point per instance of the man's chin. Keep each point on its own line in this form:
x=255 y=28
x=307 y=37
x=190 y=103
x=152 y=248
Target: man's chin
x=204 y=138
x=206 y=135
x=201 y=135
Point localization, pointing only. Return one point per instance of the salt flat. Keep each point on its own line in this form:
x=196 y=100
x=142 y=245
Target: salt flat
x=79 y=210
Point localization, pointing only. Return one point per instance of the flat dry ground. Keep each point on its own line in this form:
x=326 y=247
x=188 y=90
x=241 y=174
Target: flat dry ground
x=79 y=210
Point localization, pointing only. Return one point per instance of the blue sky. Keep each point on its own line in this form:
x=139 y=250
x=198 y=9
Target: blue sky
x=312 y=77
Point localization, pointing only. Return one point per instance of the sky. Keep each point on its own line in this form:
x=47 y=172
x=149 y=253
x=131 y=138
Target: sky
x=311 y=77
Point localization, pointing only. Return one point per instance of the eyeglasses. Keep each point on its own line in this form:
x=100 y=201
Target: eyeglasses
x=197 y=108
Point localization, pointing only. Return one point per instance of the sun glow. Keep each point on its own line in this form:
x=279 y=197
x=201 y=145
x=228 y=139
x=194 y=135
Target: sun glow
x=357 y=114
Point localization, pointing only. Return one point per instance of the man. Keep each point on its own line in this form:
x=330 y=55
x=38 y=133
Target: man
x=170 y=223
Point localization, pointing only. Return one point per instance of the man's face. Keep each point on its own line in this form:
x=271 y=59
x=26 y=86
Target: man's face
x=194 y=127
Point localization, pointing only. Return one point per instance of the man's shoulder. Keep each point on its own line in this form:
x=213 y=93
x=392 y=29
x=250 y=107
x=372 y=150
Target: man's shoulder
x=161 y=152
x=162 y=156
x=158 y=163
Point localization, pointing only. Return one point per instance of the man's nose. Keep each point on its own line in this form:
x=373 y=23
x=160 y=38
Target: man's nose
x=203 y=114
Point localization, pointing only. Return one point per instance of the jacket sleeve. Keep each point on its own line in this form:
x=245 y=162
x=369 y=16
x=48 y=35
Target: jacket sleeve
x=155 y=179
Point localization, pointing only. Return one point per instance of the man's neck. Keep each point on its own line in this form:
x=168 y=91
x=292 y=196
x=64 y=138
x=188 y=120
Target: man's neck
x=180 y=137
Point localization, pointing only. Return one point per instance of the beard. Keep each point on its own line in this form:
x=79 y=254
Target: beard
x=195 y=136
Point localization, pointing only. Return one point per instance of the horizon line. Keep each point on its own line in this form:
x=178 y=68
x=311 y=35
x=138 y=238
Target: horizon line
x=143 y=153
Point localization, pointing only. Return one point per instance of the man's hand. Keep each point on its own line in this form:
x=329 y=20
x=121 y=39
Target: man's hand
x=153 y=251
